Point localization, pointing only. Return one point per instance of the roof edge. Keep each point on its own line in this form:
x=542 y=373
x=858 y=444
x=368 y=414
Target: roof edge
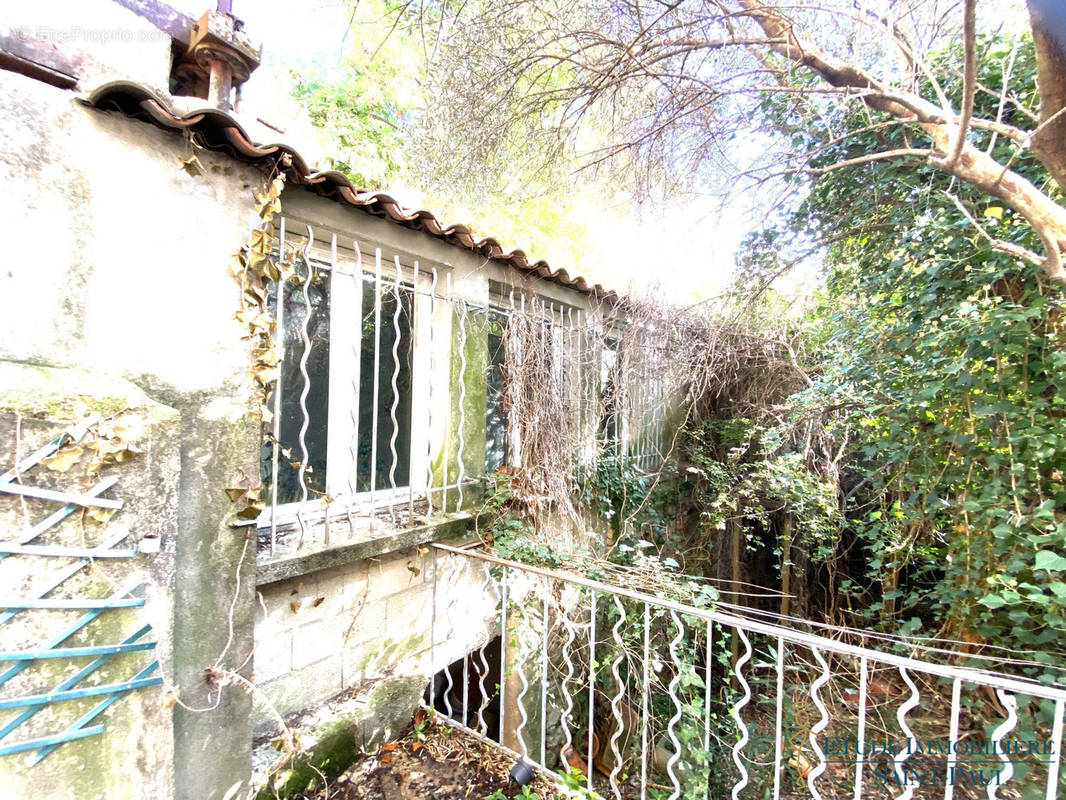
x=219 y=130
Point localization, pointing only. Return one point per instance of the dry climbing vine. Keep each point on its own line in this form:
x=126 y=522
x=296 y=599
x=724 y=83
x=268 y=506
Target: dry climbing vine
x=255 y=269
x=573 y=390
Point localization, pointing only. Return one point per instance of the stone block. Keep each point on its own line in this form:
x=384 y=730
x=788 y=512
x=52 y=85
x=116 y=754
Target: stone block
x=296 y=690
x=273 y=654
x=394 y=574
x=409 y=612
x=317 y=640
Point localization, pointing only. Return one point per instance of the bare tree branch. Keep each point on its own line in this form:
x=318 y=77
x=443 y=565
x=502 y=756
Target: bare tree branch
x=997 y=244
x=969 y=35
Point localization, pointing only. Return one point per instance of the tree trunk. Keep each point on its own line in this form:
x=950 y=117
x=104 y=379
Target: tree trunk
x=1048 y=21
x=889 y=585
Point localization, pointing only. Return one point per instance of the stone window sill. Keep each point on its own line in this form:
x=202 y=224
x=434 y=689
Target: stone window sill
x=314 y=556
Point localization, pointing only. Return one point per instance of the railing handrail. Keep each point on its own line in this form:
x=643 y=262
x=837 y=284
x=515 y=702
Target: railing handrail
x=966 y=674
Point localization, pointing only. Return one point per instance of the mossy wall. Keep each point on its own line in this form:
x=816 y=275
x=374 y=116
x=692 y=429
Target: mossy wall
x=463 y=412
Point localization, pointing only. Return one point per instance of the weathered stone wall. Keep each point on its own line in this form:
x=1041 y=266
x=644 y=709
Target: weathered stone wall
x=133 y=757
x=117 y=263
x=343 y=655
x=348 y=626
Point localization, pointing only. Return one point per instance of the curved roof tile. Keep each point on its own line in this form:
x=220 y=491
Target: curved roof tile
x=218 y=130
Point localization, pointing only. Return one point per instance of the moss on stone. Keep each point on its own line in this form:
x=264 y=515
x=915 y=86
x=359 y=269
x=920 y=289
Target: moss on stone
x=467 y=401
x=391 y=651
x=386 y=711
x=66 y=394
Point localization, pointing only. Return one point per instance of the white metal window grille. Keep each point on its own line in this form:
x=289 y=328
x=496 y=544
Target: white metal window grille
x=340 y=441
x=376 y=402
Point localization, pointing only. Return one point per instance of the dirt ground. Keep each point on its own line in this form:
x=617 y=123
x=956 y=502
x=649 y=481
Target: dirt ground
x=441 y=762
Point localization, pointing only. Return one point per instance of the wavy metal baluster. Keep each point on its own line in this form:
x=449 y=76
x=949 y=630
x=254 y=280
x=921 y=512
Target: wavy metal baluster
x=279 y=354
x=448 y=424
x=462 y=403
x=1056 y=751
x=568 y=699
x=953 y=737
x=503 y=654
x=592 y=683
x=453 y=596
x=466 y=685
x=644 y=711
x=544 y=675
x=377 y=385
x=429 y=405
x=305 y=334
x=1010 y=702
x=579 y=389
x=353 y=407
x=522 y=660
x=482 y=725
x=446 y=467
x=512 y=349
x=819 y=726
x=860 y=755
x=708 y=665
x=395 y=388
x=616 y=701
x=779 y=727
x=433 y=630
x=571 y=383
x=739 y=786
x=589 y=354
x=901 y=718
x=412 y=327
x=674 y=682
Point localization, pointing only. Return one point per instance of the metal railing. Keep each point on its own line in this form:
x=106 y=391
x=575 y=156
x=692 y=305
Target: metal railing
x=647 y=697
x=370 y=411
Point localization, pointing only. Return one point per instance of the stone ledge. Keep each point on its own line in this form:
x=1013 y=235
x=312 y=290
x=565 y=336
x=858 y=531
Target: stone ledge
x=272 y=570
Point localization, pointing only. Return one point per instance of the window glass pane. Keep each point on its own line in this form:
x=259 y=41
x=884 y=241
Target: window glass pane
x=393 y=347
x=610 y=394
x=293 y=386
x=496 y=420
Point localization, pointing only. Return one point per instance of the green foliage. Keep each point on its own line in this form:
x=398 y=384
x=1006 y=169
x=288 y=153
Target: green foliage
x=619 y=494
x=750 y=470
x=943 y=365
x=385 y=125
x=364 y=103
x=574 y=779
x=956 y=352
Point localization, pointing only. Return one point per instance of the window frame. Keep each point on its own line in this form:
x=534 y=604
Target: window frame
x=379 y=268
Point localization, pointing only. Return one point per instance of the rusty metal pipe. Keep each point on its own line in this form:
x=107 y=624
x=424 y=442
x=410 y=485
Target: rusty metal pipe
x=221 y=84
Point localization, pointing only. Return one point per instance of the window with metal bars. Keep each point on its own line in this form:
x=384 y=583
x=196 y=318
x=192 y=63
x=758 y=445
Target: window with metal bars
x=344 y=398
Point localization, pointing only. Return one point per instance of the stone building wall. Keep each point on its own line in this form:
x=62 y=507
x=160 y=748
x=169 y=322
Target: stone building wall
x=343 y=627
